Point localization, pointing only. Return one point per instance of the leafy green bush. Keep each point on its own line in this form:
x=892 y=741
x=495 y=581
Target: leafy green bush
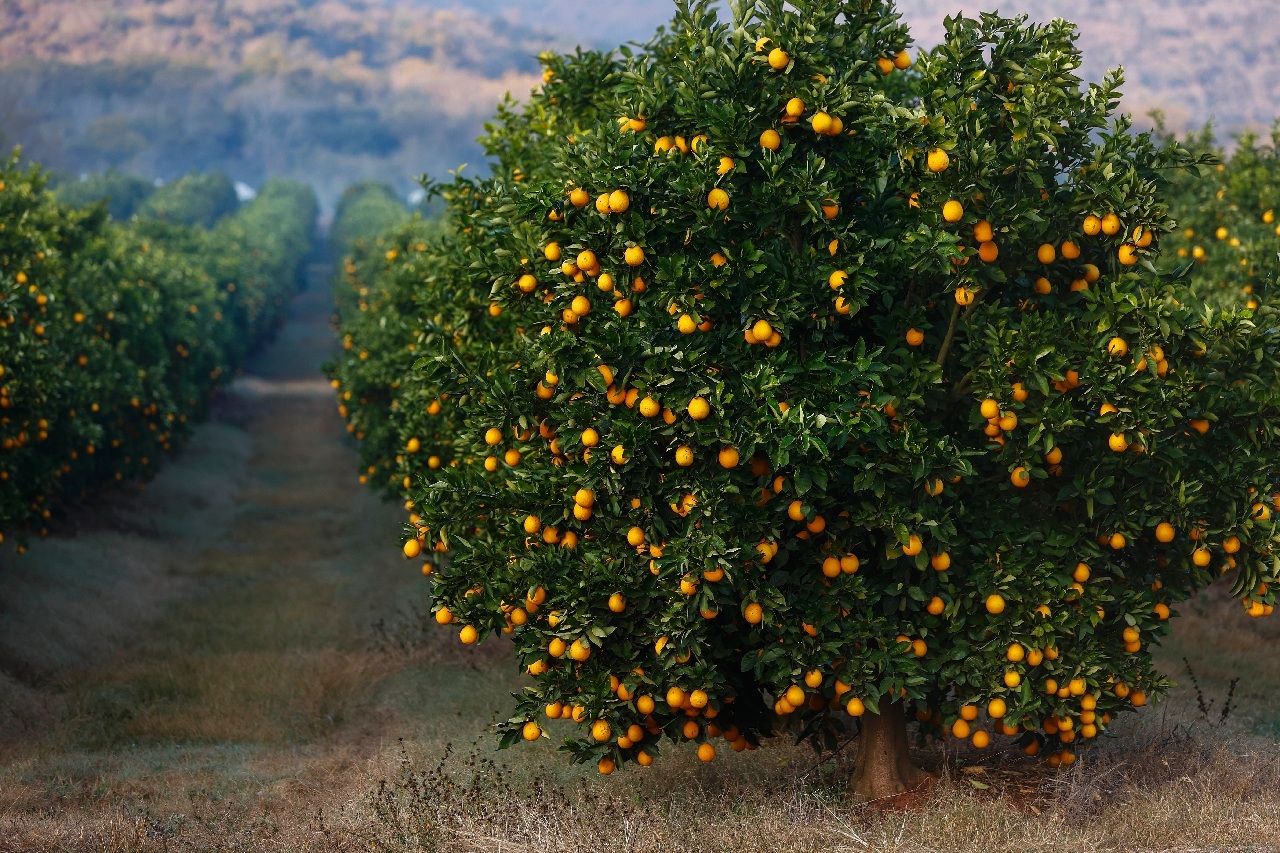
x=365 y=211
x=123 y=193
x=199 y=200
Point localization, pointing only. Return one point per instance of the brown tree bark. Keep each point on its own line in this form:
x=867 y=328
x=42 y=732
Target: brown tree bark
x=885 y=769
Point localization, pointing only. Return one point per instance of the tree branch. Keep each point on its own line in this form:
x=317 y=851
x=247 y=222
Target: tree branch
x=956 y=320
x=951 y=336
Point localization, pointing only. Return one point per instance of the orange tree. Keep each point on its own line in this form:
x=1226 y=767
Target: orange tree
x=425 y=288
x=828 y=403
x=1227 y=224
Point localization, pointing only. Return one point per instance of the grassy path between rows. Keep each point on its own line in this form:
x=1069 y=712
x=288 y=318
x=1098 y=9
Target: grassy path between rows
x=202 y=655
x=236 y=658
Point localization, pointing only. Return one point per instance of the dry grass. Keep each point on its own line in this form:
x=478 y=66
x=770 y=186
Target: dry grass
x=1188 y=793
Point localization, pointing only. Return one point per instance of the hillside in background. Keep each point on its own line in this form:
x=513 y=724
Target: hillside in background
x=328 y=92
x=334 y=91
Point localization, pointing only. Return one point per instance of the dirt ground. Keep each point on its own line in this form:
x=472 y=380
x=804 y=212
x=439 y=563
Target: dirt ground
x=238 y=658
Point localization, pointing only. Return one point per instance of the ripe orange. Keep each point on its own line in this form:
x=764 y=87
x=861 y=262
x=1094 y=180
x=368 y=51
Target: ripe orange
x=601 y=731
x=1020 y=477
x=915 y=337
x=1046 y=254
x=753 y=613
x=795 y=511
x=718 y=199
x=913 y=546
x=728 y=457
x=938 y=160
x=770 y=140
x=995 y=604
x=1164 y=532
x=778 y=59
x=831 y=567
x=953 y=211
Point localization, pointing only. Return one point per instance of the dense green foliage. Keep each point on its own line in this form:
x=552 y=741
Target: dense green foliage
x=123 y=193
x=1226 y=218
x=195 y=199
x=365 y=212
x=113 y=337
x=772 y=416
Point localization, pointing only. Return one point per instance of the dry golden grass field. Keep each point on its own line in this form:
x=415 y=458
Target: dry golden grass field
x=237 y=658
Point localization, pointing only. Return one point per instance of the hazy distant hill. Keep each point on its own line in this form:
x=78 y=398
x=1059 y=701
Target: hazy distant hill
x=333 y=91
x=328 y=90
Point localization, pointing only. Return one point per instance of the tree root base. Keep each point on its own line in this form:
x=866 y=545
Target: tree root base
x=886 y=777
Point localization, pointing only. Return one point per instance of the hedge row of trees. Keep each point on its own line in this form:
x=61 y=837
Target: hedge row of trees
x=114 y=336
x=779 y=380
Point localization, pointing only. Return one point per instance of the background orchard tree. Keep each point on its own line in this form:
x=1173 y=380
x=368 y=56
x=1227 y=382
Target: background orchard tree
x=830 y=401
x=1227 y=224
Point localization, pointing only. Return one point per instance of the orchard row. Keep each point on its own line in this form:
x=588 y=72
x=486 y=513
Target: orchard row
x=114 y=336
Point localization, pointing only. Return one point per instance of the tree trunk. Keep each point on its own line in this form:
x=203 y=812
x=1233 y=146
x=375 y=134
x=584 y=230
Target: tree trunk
x=885 y=769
